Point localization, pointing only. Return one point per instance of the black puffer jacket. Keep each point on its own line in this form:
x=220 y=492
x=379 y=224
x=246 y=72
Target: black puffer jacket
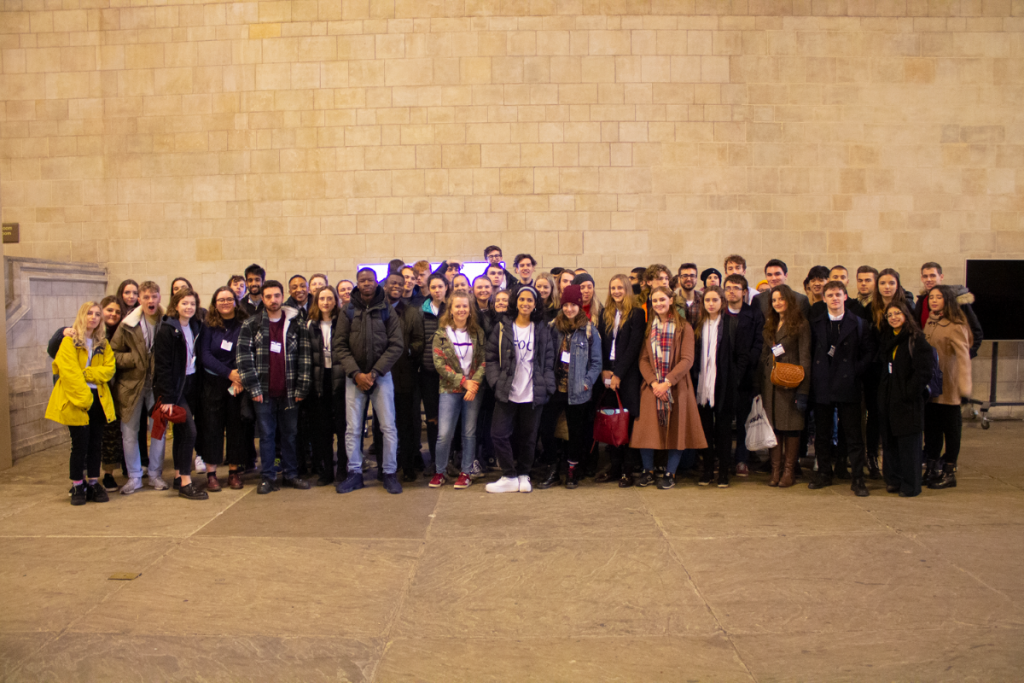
x=429 y=328
x=500 y=356
x=407 y=367
x=367 y=342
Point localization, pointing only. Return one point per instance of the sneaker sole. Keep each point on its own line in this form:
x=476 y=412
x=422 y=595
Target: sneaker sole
x=461 y=487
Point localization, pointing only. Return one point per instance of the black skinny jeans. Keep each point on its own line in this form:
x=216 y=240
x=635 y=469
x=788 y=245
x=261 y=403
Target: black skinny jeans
x=518 y=421
x=185 y=433
x=718 y=433
x=222 y=415
x=430 y=387
x=576 y=418
x=327 y=419
x=942 y=421
x=87 y=442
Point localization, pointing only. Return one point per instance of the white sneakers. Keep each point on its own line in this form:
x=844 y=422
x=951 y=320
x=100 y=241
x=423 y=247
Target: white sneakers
x=131 y=486
x=504 y=485
x=156 y=482
x=200 y=465
x=519 y=484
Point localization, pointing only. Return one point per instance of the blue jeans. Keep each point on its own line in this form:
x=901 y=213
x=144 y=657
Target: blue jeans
x=674 y=455
x=382 y=397
x=271 y=415
x=450 y=407
x=130 y=438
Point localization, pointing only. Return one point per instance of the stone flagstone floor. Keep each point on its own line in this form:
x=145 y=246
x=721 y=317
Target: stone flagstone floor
x=599 y=584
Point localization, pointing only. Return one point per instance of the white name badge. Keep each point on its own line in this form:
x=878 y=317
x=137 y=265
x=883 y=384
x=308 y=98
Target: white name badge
x=275 y=347
x=226 y=345
x=565 y=356
x=778 y=350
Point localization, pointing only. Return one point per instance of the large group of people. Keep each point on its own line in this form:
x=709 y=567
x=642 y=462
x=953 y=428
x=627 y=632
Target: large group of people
x=525 y=373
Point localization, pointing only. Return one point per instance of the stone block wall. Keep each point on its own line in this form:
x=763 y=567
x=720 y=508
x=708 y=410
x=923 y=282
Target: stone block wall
x=163 y=137
x=44 y=296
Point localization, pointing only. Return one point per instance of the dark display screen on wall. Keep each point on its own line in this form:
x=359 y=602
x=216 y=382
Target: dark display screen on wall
x=995 y=284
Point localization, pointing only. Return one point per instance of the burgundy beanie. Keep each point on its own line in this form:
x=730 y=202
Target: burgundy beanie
x=572 y=295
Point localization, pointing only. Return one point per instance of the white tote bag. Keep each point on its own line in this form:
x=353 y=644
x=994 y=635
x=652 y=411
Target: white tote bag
x=760 y=435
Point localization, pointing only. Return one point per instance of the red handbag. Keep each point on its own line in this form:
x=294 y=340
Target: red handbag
x=611 y=426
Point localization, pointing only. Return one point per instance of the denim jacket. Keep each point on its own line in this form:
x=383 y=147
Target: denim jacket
x=584 y=360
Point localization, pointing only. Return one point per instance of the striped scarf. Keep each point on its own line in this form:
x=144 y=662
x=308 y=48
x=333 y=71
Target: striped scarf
x=662 y=336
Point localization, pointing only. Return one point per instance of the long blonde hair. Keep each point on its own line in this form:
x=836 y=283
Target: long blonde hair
x=79 y=331
x=553 y=298
x=447 y=320
x=626 y=306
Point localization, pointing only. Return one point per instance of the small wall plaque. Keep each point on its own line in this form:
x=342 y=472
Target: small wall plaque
x=12 y=233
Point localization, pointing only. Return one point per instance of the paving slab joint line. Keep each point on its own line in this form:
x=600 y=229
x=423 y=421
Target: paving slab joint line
x=176 y=541
x=675 y=555
x=386 y=635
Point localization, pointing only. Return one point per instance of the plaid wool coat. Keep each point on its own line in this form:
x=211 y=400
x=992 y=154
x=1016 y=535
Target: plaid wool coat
x=253 y=355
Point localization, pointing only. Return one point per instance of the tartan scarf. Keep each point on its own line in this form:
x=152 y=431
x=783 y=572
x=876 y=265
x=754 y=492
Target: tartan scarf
x=662 y=336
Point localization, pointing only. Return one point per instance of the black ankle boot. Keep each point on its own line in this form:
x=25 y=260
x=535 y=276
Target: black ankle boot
x=552 y=478
x=932 y=472
x=947 y=480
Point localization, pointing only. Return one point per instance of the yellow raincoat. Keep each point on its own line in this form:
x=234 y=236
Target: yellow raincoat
x=71 y=397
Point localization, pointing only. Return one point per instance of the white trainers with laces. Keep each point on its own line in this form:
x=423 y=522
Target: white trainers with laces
x=131 y=486
x=157 y=482
x=200 y=465
x=524 y=483
x=503 y=485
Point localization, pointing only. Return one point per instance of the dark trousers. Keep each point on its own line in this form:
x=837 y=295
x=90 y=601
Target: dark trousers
x=872 y=438
x=222 y=415
x=942 y=422
x=430 y=387
x=744 y=401
x=87 y=442
x=901 y=462
x=717 y=426
x=184 y=442
x=519 y=421
x=623 y=459
x=851 y=440
x=590 y=451
x=326 y=419
x=487 y=456
x=407 y=422
x=144 y=440
x=576 y=420
x=274 y=417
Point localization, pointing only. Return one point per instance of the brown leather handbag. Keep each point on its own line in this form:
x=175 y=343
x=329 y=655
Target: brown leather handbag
x=787 y=375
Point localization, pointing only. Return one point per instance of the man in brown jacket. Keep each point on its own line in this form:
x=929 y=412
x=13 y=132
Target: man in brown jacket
x=133 y=350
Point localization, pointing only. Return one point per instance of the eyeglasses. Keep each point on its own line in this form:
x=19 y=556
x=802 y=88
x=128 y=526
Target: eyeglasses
x=890 y=316
x=226 y=301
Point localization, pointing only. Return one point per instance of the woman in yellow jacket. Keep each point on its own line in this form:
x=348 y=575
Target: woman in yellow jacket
x=81 y=398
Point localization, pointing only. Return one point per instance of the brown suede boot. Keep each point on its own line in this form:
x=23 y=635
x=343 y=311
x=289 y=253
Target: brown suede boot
x=776 y=457
x=788 y=476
